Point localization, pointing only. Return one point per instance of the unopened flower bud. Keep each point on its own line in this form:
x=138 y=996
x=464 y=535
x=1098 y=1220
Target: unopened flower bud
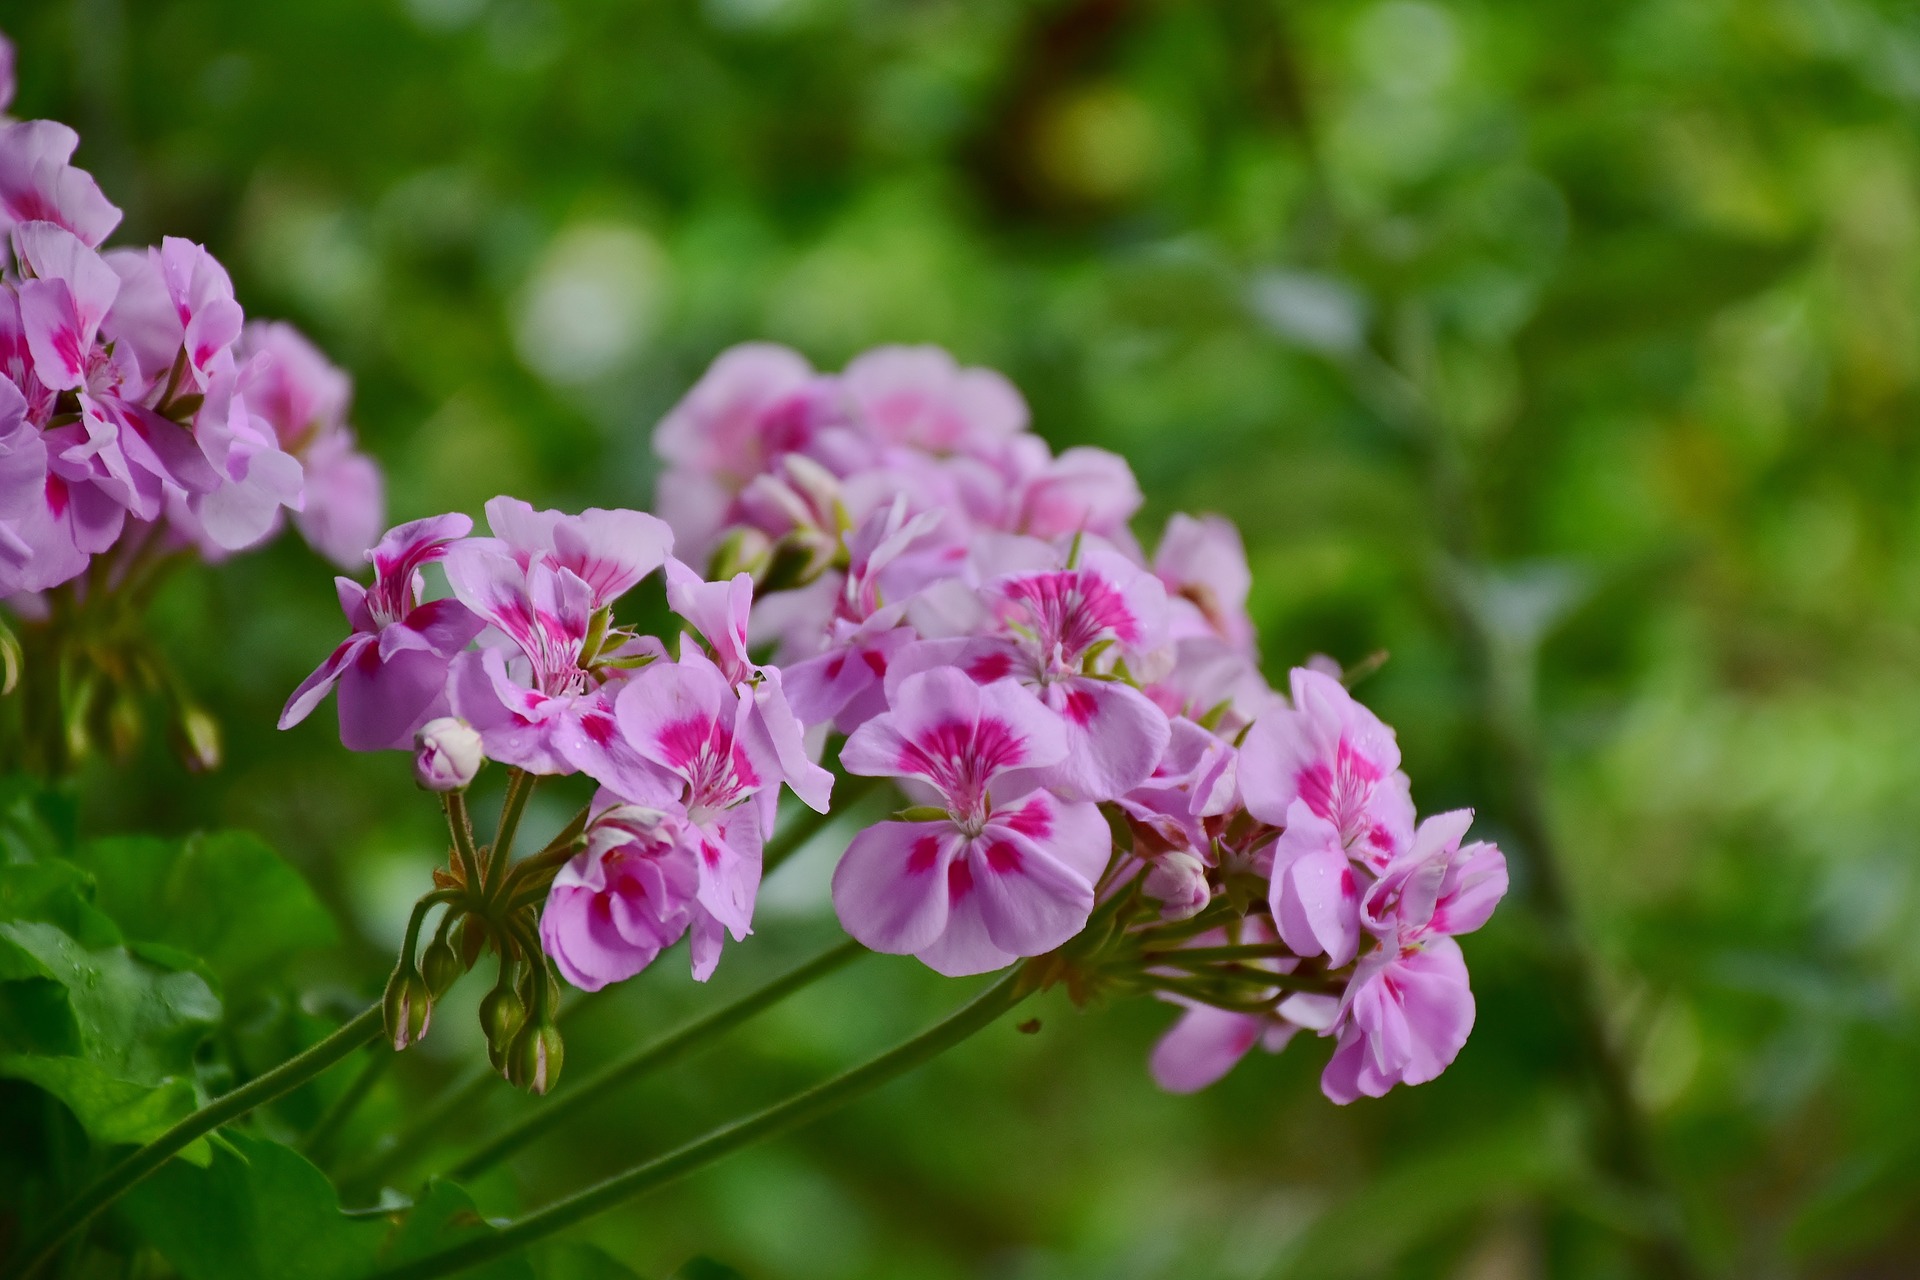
x=744 y=549
x=441 y=966
x=1178 y=880
x=197 y=739
x=446 y=754
x=533 y=1060
x=501 y=1013
x=408 y=1006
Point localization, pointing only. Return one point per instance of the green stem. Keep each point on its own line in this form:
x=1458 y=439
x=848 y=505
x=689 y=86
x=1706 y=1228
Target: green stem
x=462 y=827
x=123 y=1176
x=519 y=788
x=807 y=824
x=674 y=1045
x=1208 y=955
x=318 y=1144
x=802 y=1107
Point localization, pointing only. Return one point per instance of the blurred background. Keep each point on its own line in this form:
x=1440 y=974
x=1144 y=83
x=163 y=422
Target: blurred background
x=1566 y=353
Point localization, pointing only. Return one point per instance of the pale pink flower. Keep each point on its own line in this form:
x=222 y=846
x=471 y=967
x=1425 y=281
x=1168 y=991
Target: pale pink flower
x=542 y=702
x=891 y=558
x=1203 y=565
x=921 y=397
x=690 y=725
x=755 y=403
x=628 y=896
x=773 y=735
x=286 y=381
x=1408 y=1008
x=1009 y=871
x=392 y=670
x=39 y=184
x=1334 y=754
x=1058 y=632
x=609 y=550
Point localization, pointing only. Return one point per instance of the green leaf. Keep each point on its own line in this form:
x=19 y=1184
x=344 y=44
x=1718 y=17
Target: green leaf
x=578 y=1260
x=705 y=1268
x=110 y=1034
x=262 y=1209
x=257 y=1209
x=441 y=1218
x=36 y=821
x=224 y=897
x=58 y=893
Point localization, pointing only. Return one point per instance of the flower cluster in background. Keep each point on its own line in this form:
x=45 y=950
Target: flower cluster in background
x=140 y=413
x=898 y=576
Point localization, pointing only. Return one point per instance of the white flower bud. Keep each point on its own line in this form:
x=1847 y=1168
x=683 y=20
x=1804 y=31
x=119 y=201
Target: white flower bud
x=1178 y=881
x=446 y=754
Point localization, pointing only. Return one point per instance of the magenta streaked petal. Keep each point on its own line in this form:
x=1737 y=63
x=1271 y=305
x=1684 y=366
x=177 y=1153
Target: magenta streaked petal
x=316 y=686
x=406 y=547
x=37 y=182
x=718 y=611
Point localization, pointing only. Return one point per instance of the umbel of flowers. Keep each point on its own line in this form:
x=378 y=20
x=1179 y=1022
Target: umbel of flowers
x=883 y=575
x=143 y=421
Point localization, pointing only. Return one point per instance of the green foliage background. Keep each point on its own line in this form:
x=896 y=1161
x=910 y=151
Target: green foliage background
x=1566 y=352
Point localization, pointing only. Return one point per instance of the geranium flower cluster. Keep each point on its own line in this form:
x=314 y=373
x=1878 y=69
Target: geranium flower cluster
x=139 y=409
x=899 y=578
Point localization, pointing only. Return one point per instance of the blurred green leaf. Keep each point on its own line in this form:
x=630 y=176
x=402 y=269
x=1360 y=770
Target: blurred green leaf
x=258 y=1209
x=110 y=1034
x=579 y=1260
x=224 y=897
x=442 y=1217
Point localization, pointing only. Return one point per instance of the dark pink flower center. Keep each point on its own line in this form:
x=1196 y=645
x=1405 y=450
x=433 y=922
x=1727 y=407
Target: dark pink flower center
x=961 y=759
x=1066 y=613
x=1340 y=793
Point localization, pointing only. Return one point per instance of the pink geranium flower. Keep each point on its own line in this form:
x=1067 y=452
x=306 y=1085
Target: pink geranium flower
x=303 y=398
x=1009 y=871
x=921 y=397
x=1408 y=1008
x=772 y=734
x=392 y=670
x=544 y=702
x=688 y=722
x=38 y=182
x=1335 y=755
x=891 y=557
x=1203 y=565
x=1058 y=633
x=628 y=896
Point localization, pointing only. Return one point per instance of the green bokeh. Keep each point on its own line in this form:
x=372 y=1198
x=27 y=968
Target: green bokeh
x=1643 y=281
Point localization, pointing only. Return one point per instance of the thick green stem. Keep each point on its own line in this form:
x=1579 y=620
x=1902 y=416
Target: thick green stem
x=797 y=1110
x=123 y=1176
x=672 y=1046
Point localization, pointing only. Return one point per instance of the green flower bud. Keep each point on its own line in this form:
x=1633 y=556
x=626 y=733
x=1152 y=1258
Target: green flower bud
x=501 y=1013
x=441 y=966
x=408 y=1006
x=533 y=1060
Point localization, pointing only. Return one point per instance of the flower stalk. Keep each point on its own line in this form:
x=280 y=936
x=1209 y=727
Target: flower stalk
x=802 y=1107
